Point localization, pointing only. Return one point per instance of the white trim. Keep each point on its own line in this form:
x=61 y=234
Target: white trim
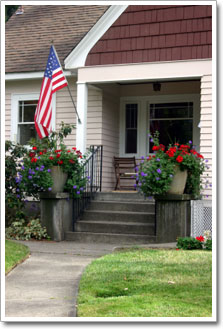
x=31 y=75
x=145 y=71
x=143 y=119
x=15 y=98
x=78 y=56
x=81 y=129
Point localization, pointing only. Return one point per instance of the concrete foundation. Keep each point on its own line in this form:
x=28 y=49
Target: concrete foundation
x=56 y=214
x=173 y=217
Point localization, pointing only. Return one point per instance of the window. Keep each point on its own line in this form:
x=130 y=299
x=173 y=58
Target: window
x=131 y=121
x=174 y=121
x=26 y=126
x=22 y=116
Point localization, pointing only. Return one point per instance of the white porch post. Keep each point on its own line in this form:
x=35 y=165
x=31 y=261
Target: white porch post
x=81 y=131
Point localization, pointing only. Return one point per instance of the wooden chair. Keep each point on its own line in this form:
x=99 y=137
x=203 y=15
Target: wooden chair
x=124 y=170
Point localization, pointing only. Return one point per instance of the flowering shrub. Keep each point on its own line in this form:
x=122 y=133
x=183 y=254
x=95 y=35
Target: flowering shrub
x=156 y=172
x=13 y=203
x=200 y=242
x=35 y=172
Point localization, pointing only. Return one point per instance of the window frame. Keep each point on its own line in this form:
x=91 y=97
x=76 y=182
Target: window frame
x=15 y=99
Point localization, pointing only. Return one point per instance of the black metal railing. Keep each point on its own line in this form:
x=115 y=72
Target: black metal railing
x=92 y=171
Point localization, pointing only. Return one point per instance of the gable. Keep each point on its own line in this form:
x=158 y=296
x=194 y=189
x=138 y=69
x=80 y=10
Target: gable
x=155 y=33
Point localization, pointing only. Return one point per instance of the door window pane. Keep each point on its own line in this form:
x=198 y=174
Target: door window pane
x=131 y=119
x=174 y=121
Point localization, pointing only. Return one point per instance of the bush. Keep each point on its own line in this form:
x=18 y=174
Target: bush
x=189 y=243
x=208 y=245
x=13 y=202
x=20 y=230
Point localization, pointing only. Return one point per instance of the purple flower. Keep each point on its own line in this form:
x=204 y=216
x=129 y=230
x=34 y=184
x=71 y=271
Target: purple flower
x=49 y=170
x=136 y=169
x=30 y=177
x=41 y=169
x=17 y=189
x=206 y=160
x=78 y=192
x=142 y=157
x=210 y=185
x=37 y=168
x=50 y=189
x=135 y=185
x=22 y=167
x=190 y=142
x=143 y=174
x=159 y=171
x=171 y=175
x=157 y=159
x=33 y=172
x=81 y=189
x=157 y=178
x=151 y=140
x=17 y=195
x=75 y=186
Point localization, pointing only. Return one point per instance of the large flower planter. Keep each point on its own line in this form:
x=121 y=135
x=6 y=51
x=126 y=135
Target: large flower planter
x=179 y=182
x=59 y=179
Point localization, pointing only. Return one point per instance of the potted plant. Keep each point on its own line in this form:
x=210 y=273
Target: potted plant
x=51 y=166
x=157 y=173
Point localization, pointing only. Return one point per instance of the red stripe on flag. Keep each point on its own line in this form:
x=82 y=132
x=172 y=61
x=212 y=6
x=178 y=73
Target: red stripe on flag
x=60 y=87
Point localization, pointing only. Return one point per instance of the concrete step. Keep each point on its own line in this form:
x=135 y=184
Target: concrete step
x=121 y=196
x=115 y=227
x=122 y=206
x=118 y=216
x=120 y=239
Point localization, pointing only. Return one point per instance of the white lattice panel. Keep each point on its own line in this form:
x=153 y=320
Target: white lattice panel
x=201 y=217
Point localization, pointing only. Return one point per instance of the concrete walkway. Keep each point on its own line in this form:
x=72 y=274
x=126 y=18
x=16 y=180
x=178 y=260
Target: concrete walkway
x=46 y=284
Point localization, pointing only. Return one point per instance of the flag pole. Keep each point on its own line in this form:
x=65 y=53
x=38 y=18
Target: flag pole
x=79 y=121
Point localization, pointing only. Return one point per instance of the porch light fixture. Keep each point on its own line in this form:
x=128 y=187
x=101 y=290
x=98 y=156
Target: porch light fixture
x=156 y=86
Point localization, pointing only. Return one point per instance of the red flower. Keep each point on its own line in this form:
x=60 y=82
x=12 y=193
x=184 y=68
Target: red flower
x=68 y=151
x=60 y=162
x=56 y=151
x=45 y=150
x=51 y=158
x=177 y=249
x=40 y=153
x=74 y=148
x=33 y=159
x=200 y=156
x=155 y=148
x=80 y=156
x=32 y=154
x=200 y=238
x=34 y=148
x=162 y=147
x=58 y=155
x=170 y=153
x=71 y=161
x=179 y=158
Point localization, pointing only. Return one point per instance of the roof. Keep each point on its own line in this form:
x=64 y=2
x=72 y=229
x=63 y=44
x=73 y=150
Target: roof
x=28 y=36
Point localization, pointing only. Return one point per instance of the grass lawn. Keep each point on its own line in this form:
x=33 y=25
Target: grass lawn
x=14 y=254
x=148 y=283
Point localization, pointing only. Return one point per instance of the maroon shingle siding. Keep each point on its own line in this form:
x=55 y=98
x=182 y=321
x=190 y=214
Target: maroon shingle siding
x=156 y=33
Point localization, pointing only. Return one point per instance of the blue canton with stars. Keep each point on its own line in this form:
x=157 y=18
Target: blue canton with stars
x=52 y=64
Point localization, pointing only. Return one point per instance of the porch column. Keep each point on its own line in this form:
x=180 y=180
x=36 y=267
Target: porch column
x=81 y=130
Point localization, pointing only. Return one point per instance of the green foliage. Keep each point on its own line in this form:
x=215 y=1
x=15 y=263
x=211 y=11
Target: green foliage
x=20 y=230
x=208 y=244
x=13 y=201
x=156 y=172
x=189 y=243
x=9 y=11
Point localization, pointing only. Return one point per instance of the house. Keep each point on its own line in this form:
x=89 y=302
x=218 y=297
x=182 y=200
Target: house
x=131 y=69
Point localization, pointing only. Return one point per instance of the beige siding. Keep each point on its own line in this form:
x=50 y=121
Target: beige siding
x=206 y=132
x=64 y=107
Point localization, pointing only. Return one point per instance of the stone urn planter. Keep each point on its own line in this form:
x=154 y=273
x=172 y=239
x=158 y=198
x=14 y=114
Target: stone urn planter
x=59 y=179
x=179 y=181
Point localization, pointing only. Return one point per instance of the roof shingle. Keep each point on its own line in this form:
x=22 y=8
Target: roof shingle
x=28 y=36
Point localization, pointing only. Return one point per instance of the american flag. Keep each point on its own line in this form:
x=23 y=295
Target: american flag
x=53 y=80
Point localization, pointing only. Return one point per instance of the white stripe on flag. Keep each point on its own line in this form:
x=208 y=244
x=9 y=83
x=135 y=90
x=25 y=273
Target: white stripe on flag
x=59 y=84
